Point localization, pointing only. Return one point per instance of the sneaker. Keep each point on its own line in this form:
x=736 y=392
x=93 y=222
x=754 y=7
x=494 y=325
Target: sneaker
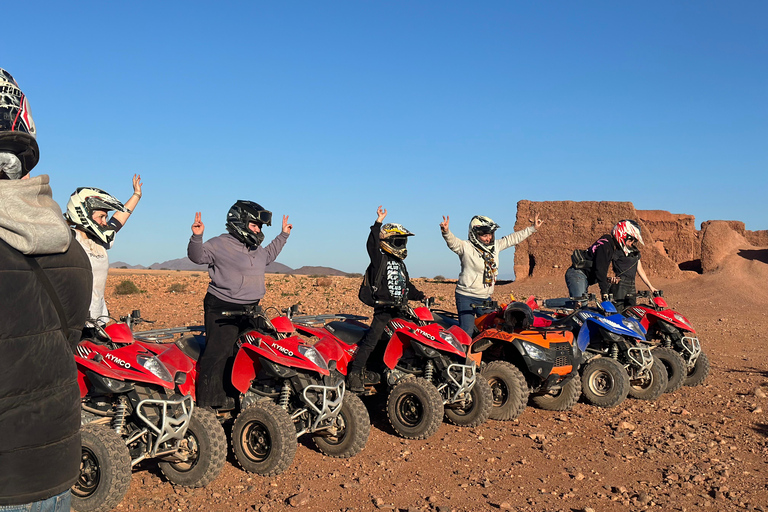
x=355 y=383
x=371 y=378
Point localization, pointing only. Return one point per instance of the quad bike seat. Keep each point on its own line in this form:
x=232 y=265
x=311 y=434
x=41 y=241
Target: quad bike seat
x=192 y=345
x=445 y=319
x=347 y=332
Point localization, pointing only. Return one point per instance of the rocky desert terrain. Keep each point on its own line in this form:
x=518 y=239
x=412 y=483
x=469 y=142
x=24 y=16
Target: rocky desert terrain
x=700 y=448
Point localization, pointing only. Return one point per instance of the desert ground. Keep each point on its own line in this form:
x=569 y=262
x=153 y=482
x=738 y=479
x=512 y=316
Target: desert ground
x=700 y=448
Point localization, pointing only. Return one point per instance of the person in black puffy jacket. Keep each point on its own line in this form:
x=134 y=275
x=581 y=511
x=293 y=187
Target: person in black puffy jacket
x=45 y=290
x=390 y=284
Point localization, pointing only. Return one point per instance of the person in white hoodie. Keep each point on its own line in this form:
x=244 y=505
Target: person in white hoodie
x=479 y=258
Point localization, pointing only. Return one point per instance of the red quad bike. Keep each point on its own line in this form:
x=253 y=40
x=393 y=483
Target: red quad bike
x=676 y=343
x=427 y=370
x=519 y=358
x=137 y=404
x=289 y=386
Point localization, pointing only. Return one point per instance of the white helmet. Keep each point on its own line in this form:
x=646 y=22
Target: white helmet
x=84 y=202
x=482 y=225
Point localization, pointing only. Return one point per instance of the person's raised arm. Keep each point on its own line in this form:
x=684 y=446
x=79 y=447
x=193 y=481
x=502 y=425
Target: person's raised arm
x=131 y=203
x=372 y=245
x=453 y=243
x=195 y=250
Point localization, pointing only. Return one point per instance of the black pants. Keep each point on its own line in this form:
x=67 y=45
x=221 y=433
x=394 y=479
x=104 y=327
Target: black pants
x=624 y=294
x=215 y=364
x=381 y=317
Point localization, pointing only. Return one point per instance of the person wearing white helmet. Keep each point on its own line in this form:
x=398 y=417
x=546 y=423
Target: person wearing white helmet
x=617 y=250
x=88 y=211
x=45 y=289
x=479 y=256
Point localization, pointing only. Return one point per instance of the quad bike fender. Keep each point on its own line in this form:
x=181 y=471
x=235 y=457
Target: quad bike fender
x=119 y=332
x=173 y=357
x=395 y=348
x=459 y=333
x=245 y=368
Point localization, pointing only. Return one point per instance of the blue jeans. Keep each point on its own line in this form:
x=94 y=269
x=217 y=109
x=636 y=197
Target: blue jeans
x=59 y=503
x=576 y=281
x=467 y=313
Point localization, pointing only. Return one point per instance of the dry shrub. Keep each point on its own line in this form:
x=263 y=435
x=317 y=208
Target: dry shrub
x=127 y=287
x=177 y=288
x=324 y=282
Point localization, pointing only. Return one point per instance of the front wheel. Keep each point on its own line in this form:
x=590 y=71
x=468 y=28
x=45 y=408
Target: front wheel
x=202 y=452
x=604 y=382
x=699 y=372
x=105 y=470
x=652 y=385
x=675 y=366
x=415 y=408
x=351 y=428
x=561 y=400
x=508 y=388
x=476 y=409
x=264 y=439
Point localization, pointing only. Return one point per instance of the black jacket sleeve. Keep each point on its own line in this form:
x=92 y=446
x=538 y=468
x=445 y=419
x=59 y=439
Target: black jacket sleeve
x=602 y=259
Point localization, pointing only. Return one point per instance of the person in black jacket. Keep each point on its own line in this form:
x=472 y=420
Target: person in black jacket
x=617 y=251
x=390 y=283
x=45 y=290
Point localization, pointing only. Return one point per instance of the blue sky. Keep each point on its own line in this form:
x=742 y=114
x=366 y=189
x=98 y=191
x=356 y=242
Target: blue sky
x=324 y=110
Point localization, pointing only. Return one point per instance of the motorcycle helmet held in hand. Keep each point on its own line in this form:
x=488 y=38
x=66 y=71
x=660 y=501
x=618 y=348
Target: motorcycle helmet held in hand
x=482 y=225
x=625 y=231
x=83 y=203
x=393 y=239
x=17 y=129
x=240 y=215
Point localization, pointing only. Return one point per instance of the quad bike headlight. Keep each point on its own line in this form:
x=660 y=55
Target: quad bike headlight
x=680 y=318
x=313 y=355
x=157 y=368
x=451 y=339
x=536 y=352
x=634 y=325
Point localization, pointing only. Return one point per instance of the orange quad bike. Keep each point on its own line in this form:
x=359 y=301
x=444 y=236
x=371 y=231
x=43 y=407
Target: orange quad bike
x=522 y=359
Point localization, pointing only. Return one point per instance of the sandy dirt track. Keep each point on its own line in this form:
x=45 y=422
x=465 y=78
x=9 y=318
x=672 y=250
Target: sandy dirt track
x=702 y=448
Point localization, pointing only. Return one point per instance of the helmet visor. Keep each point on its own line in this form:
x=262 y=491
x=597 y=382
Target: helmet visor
x=398 y=242
x=260 y=217
x=484 y=230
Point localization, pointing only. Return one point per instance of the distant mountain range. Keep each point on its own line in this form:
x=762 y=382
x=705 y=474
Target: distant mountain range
x=272 y=268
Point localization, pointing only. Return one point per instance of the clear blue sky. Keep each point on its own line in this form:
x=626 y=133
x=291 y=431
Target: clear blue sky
x=324 y=110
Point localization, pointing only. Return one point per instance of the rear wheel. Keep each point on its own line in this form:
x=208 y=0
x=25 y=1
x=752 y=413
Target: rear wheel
x=509 y=390
x=202 y=452
x=351 y=429
x=415 y=408
x=604 y=382
x=652 y=385
x=675 y=366
x=105 y=470
x=698 y=374
x=476 y=409
x=264 y=439
x=562 y=399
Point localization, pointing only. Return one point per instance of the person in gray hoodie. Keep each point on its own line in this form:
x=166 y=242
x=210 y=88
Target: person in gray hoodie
x=236 y=265
x=479 y=258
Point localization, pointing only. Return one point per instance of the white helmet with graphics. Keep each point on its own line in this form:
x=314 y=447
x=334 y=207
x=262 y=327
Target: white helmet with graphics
x=83 y=203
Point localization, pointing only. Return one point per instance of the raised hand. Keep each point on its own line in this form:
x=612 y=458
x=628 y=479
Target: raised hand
x=286 y=227
x=198 y=227
x=537 y=222
x=382 y=213
x=137 y=184
x=444 y=224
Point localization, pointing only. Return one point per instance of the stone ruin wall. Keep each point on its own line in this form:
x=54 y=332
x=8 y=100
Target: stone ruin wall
x=671 y=240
